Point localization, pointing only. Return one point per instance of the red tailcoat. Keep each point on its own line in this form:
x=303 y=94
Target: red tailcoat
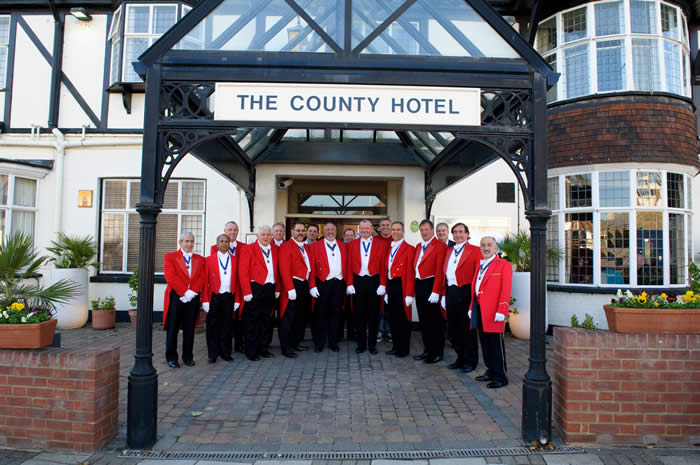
x=466 y=269
x=291 y=264
x=432 y=262
x=252 y=267
x=179 y=280
x=214 y=278
x=377 y=259
x=494 y=294
x=319 y=262
x=402 y=267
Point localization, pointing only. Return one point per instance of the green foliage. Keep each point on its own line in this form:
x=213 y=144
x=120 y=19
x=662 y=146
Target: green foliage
x=73 y=252
x=516 y=249
x=588 y=322
x=107 y=303
x=134 y=286
x=627 y=299
x=512 y=309
x=574 y=322
x=18 y=262
x=18 y=313
x=694 y=274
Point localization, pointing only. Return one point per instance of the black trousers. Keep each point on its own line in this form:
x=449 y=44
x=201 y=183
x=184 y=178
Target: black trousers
x=238 y=332
x=257 y=318
x=327 y=312
x=346 y=319
x=400 y=326
x=289 y=322
x=302 y=311
x=431 y=321
x=366 y=310
x=464 y=341
x=220 y=325
x=493 y=349
x=180 y=315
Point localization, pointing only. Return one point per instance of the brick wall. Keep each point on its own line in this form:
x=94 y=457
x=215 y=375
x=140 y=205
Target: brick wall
x=58 y=399
x=630 y=128
x=638 y=389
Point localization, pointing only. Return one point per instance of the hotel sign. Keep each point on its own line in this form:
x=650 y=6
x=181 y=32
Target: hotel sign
x=330 y=103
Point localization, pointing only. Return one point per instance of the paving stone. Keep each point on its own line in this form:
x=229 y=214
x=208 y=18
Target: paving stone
x=572 y=459
x=49 y=458
x=469 y=461
x=399 y=462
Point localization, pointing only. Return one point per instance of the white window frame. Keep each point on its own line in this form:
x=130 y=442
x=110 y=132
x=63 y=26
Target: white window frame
x=10 y=207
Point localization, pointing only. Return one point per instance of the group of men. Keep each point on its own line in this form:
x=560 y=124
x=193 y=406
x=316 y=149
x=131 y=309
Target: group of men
x=305 y=278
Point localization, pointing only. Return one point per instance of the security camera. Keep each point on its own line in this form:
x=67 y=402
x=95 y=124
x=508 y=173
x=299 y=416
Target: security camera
x=285 y=183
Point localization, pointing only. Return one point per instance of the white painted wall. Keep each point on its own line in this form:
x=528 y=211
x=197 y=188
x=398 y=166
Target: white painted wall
x=561 y=305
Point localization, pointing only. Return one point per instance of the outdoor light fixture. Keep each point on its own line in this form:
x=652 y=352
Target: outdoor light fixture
x=81 y=14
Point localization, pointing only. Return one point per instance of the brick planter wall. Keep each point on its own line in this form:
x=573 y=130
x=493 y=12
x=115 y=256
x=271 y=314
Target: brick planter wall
x=59 y=400
x=635 y=389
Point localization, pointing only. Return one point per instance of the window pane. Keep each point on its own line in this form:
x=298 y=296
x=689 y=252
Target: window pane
x=193 y=196
x=3 y=66
x=133 y=48
x=676 y=242
x=25 y=192
x=578 y=191
x=645 y=64
x=614 y=248
x=669 y=22
x=134 y=234
x=164 y=17
x=574 y=25
x=609 y=18
x=193 y=224
x=115 y=27
x=138 y=19
x=23 y=221
x=134 y=194
x=576 y=73
x=615 y=189
x=643 y=16
x=553 y=243
x=115 y=195
x=547 y=36
x=611 y=65
x=649 y=189
x=3 y=229
x=552 y=62
x=112 y=241
x=166 y=232
x=553 y=193
x=3 y=189
x=170 y=197
x=579 y=248
x=650 y=246
x=4 y=30
x=672 y=60
x=116 y=56
x=675 y=190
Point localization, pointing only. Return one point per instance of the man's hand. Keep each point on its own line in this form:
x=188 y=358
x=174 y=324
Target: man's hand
x=434 y=298
x=248 y=297
x=314 y=292
x=350 y=290
x=408 y=300
x=205 y=306
x=381 y=290
x=499 y=317
x=292 y=294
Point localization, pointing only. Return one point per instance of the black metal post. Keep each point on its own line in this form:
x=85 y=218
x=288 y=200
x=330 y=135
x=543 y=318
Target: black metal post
x=537 y=385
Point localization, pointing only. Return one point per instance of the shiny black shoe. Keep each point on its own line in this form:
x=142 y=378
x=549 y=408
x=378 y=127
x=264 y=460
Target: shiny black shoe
x=253 y=358
x=301 y=348
x=267 y=354
x=373 y=351
x=422 y=356
x=455 y=365
x=484 y=378
x=189 y=363
x=173 y=365
x=290 y=354
x=433 y=359
x=497 y=384
x=391 y=352
x=468 y=369
x=211 y=360
x=334 y=348
x=228 y=358
x=359 y=351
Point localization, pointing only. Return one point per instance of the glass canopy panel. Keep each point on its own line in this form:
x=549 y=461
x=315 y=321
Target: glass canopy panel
x=255 y=25
x=441 y=28
x=342 y=204
x=256 y=141
x=418 y=143
x=330 y=16
x=368 y=14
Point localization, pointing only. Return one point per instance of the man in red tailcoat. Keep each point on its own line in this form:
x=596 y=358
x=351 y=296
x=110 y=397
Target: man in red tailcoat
x=185 y=277
x=399 y=293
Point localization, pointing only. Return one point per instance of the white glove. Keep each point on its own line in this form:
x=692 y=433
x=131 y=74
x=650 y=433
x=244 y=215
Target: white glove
x=386 y=299
x=470 y=314
x=434 y=298
x=190 y=294
x=314 y=292
x=442 y=302
x=248 y=297
x=499 y=317
x=292 y=294
x=381 y=290
x=350 y=290
x=277 y=295
x=409 y=300
x=205 y=306
x=235 y=306
x=184 y=299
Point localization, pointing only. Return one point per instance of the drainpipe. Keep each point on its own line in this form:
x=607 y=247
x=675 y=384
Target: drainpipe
x=60 y=154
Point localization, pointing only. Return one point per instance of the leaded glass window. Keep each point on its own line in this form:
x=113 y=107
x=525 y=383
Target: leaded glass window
x=650 y=246
x=676 y=243
x=675 y=190
x=578 y=191
x=614 y=248
x=614 y=189
x=649 y=189
x=579 y=248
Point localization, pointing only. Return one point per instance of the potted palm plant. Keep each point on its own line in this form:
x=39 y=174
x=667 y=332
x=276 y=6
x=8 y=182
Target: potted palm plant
x=516 y=249
x=27 y=308
x=104 y=313
x=73 y=255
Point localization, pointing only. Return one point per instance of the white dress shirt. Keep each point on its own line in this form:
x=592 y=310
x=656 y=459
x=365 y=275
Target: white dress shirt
x=392 y=254
x=278 y=243
x=423 y=248
x=364 y=255
x=483 y=265
x=306 y=258
x=232 y=250
x=334 y=260
x=224 y=274
x=188 y=261
x=267 y=256
x=453 y=262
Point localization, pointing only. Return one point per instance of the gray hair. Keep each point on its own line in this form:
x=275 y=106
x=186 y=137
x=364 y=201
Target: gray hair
x=279 y=223
x=489 y=237
x=442 y=224
x=262 y=227
x=186 y=234
x=231 y=222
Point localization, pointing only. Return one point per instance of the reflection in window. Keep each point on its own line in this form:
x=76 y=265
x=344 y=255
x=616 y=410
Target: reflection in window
x=649 y=249
x=645 y=64
x=675 y=190
x=578 y=191
x=553 y=243
x=552 y=62
x=676 y=242
x=669 y=22
x=547 y=36
x=579 y=248
x=643 y=16
x=574 y=25
x=649 y=189
x=553 y=193
x=609 y=18
x=614 y=248
x=615 y=189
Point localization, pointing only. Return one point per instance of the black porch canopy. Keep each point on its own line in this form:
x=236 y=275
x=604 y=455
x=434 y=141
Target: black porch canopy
x=417 y=43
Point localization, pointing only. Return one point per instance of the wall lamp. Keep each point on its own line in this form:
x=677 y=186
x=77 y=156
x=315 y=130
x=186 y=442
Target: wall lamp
x=80 y=13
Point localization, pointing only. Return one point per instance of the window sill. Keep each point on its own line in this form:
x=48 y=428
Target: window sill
x=121 y=278
x=127 y=89
x=590 y=289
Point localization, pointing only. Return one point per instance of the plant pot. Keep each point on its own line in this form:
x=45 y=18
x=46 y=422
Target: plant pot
x=519 y=323
x=104 y=319
x=652 y=320
x=74 y=313
x=133 y=313
x=32 y=336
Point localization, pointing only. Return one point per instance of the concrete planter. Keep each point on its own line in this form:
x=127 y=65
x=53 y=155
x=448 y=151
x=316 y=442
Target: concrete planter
x=74 y=313
x=651 y=320
x=27 y=336
x=519 y=323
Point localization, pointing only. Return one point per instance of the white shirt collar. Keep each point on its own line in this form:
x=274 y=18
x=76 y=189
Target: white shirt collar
x=186 y=254
x=397 y=243
x=329 y=242
x=222 y=255
x=278 y=243
x=300 y=244
x=425 y=243
x=264 y=247
x=487 y=261
x=369 y=239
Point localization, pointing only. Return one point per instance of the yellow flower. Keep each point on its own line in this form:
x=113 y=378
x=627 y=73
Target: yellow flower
x=664 y=296
x=18 y=306
x=656 y=304
x=642 y=300
x=644 y=294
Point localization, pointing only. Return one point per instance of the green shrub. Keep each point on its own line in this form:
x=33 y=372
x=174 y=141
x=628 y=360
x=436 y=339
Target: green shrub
x=107 y=303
